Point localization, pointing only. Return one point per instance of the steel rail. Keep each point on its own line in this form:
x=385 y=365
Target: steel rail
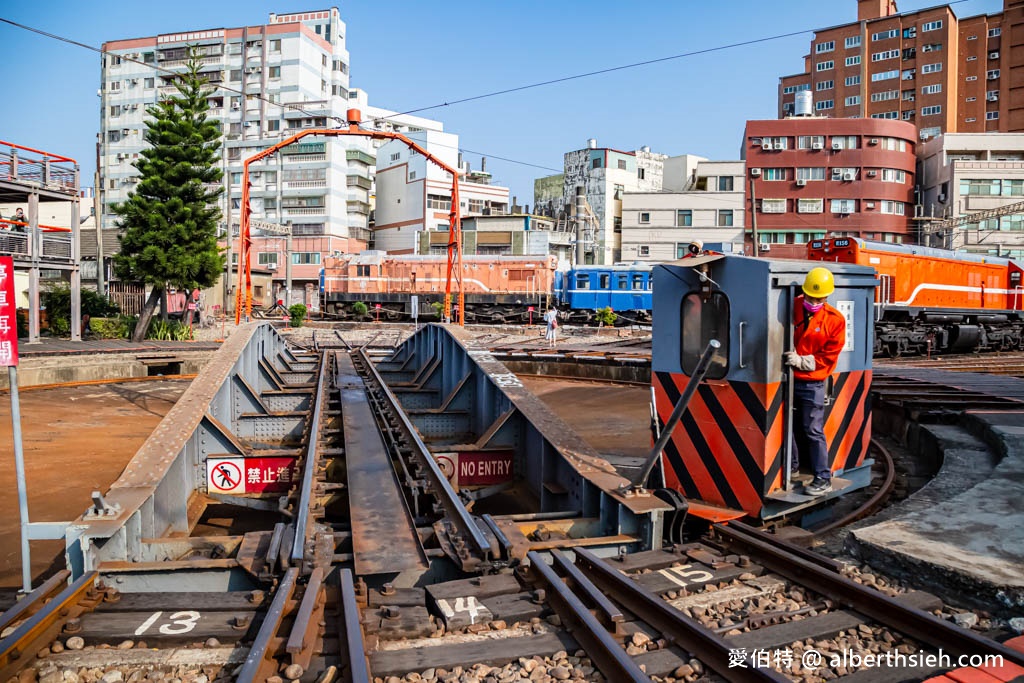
x=910 y=621
x=711 y=648
x=871 y=503
x=18 y=644
x=309 y=469
x=35 y=599
x=608 y=610
x=352 y=632
x=257 y=657
x=606 y=653
x=440 y=486
x=789 y=548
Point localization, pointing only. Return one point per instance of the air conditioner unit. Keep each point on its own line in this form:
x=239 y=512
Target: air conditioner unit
x=135 y=81
x=801 y=182
x=993 y=55
x=236 y=106
x=271 y=266
x=872 y=174
x=764 y=246
x=120 y=157
x=837 y=145
x=992 y=98
x=873 y=141
x=755 y=172
x=942 y=197
x=766 y=145
x=993 y=77
x=133 y=180
x=125 y=131
x=847 y=176
x=869 y=205
x=778 y=145
x=837 y=172
x=817 y=145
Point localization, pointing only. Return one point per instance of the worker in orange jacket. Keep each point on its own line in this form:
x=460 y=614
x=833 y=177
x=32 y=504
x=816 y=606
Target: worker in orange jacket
x=819 y=334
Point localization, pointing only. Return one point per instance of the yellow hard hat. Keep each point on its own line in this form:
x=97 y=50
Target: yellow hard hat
x=819 y=283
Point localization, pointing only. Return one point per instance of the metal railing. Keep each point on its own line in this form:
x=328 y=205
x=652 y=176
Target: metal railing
x=27 y=165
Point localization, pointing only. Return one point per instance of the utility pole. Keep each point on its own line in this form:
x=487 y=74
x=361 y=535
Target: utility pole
x=753 y=221
x=288 y=265
x=581 y=199
x=98 y=219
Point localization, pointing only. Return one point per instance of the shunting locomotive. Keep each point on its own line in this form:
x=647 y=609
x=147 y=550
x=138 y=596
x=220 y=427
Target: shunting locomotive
x=731 y=452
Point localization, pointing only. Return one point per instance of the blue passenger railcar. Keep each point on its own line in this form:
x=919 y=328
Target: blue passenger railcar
x=625 y=289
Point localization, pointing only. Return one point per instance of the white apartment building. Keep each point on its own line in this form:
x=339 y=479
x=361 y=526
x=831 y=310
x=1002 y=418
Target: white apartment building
x=658 y=226
x=414 y=195
x=605 y=174
x=963 y=173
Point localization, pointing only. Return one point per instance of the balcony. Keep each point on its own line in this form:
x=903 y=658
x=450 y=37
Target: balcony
x=360 y=156
x=358 y=207
x=305 y=157
x=358 y=181
x=299 y=184
x=305 y=211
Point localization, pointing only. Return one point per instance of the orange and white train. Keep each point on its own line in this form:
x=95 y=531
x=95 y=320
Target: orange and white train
x=933 y=300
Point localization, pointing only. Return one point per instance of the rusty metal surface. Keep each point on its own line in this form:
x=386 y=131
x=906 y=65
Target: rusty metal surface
x=384 y=539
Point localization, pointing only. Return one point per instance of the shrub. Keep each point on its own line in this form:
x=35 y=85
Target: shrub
x=169 y=330
x=438 y=308
x=606 y=316
x=298 y=314
x=58 y=307
x=359 y=308
x=112 y=328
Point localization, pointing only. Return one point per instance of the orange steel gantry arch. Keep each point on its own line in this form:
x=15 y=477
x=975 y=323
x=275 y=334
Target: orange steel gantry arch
x=454 y=222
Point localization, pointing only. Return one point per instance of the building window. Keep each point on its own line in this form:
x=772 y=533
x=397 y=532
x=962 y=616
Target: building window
x=972 y=37
x=825 y=85
x=886 y=115
x=811 y=173
x=844 y=206
x=725 y=183
x=887 y=54
x=810 y=205
x=853 y=80
x=682 y=249
x=273 y=125
x=825 y=47
x=893 y=175
x=275 y=45
x=724 y=218
x=977 y=186
x=970 y=119
x=684 y=218
x=932 y=110
x=931 y=68
x=893 y=208
x=992 y=96
x=893 y=144
x=822 y=105
x=266 y=258
x=773 y=173
x=853 y=61
x=622 y=164
x=810 y=141
x=644 y=250
x=931 y=26
x=115 y=86
x=992 y=75
x=306 y=258
x=991 y=115
x=114 y=136
x=396 y=156
x=844 y=141
x=971 y=78
x=645 y=216
x=884 y=35
x=440 y=202
x=790 y=89
x=1013 y=188
x=909 y=74
x=852 y=41
x=776 y=142
x=883 y=96
x=884 y=76
x=931 y=89
x=932 y=47
x=275 y=72
x=825 y=66
x=773 y=206
x=115 y=110
x=993 y=32
x=149 y=83
x=839 y=173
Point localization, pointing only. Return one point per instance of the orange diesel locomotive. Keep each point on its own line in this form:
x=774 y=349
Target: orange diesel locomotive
x=498 y=288
x=933 y=300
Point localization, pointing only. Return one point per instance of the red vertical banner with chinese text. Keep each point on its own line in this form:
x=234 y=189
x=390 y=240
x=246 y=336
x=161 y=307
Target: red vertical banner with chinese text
x=8 y=314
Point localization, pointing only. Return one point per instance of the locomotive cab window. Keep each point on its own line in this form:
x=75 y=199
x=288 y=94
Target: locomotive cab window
x=606 y=281
x=362 y=271
x=703 y=320
x=638 y=282
x=582 y=282
x=621 y=282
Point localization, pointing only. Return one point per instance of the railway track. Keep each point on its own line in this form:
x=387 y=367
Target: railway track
x=370 y=500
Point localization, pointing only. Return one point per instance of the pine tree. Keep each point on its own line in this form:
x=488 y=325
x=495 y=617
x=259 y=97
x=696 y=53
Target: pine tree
x=169 y=224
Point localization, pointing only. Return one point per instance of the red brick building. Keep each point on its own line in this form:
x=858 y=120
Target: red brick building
x=930 y=68
x=816 y=176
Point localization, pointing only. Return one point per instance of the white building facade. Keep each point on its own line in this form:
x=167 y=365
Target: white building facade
x=963 y=173
x=414 y=194
x=658 y=226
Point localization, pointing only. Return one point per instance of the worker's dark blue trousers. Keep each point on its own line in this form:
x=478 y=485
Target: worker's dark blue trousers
x=809 y=427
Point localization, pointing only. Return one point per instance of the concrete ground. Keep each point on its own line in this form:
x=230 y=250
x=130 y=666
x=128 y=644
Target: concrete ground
x=76 y=440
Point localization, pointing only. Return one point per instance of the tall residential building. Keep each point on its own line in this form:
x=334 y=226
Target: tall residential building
x=605 y=174
x=929 y=67
x=964 y=173
x=415 y=195
x=815 y=176
x=708 y=206
x=269 y=83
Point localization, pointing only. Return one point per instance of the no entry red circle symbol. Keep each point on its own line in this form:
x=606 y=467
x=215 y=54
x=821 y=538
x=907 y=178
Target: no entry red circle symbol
x=226 y=476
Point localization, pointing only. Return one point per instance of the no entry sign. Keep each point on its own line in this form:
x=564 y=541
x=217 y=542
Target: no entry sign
x=250 y=475
x=476 y=469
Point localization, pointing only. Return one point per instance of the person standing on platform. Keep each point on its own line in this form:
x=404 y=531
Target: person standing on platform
x=819 y=334
x=551 y=318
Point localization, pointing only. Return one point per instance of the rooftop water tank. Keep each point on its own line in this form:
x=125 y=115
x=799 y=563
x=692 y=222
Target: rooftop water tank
x=804 y=104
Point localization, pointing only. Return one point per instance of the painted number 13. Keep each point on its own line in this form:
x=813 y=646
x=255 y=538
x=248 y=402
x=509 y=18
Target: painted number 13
x=181 y=622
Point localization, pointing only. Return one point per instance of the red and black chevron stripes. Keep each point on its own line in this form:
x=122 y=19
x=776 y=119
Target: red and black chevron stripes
x=728 y=447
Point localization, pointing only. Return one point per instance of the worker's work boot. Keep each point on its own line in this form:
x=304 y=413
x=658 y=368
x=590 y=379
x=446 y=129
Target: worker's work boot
x=818 y=487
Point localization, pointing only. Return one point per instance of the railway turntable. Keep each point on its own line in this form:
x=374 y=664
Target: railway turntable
x=730 y=453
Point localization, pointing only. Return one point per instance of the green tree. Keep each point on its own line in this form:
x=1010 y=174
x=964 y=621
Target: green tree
x=169 y=223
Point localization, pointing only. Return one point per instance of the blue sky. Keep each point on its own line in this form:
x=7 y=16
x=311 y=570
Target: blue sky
x=417 y=54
